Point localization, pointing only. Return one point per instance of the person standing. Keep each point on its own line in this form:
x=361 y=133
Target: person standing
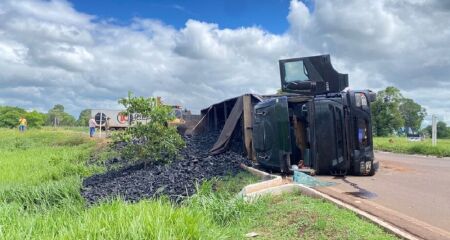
x=22 y=124
x=92 y=125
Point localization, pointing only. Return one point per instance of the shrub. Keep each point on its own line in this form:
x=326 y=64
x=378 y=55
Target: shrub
x=151 y=140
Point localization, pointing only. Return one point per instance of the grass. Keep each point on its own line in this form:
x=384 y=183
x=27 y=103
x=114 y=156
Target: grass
x=294 y=216
x=157 y=219
x=40 y=198
x=402 y=145
x=42 y=167
x=83 y=129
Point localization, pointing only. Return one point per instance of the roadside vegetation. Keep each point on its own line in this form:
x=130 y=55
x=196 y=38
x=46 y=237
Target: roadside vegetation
x=392 y=113
x=402 y=145
x=157 y=141
x=42 y=171
x=394 y=116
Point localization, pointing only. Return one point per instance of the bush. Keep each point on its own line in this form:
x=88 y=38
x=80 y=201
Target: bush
x=151 y=140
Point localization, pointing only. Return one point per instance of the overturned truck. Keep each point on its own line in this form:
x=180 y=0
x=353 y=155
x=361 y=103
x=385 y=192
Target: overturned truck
x=316 y=125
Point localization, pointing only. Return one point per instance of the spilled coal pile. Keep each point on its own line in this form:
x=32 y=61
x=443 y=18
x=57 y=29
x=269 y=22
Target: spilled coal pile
x=175 y=180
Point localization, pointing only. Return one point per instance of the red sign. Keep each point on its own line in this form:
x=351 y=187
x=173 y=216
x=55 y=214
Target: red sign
x=121 y=118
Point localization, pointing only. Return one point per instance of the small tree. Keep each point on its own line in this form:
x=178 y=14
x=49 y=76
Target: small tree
x=57 y=117
x=386 y=116
x=412 y=113
x=442 y=130
x=9 y=116
x=152 y=139
x=35 y=119
x=83 y=119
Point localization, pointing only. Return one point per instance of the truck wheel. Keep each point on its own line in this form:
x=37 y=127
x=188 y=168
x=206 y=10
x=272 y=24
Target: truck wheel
x=373 y=168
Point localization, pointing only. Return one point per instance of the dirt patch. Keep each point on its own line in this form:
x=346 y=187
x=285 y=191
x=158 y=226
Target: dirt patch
x=392 y=166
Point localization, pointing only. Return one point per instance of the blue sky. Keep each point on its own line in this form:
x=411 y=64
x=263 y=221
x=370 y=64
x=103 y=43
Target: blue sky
x=268 y=14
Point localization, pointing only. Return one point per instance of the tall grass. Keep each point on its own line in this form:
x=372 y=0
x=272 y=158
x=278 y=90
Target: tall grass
x=40 y=197
x=40 y=181
x=157 y=219
x=402 y=145
x=224 y=208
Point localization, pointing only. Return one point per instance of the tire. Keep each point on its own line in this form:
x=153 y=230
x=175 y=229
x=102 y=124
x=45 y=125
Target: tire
x=373 y=168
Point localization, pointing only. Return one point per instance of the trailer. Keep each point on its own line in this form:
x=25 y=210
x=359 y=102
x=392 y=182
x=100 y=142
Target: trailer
x=316 y=125
x=116 y=119
x=113 y=119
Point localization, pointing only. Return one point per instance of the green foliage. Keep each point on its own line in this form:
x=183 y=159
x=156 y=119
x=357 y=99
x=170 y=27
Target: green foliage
x=412 y=113
x=402 y=145
x=386 y=116
x=9 y=117
x=83 y=119
x=35 y=119
x=57 y=117
x=393 y=113
x=157 y=141
x=442 y=130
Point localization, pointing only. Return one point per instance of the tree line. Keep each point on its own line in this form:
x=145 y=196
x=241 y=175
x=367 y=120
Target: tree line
x=394 y=114
x=56 y=116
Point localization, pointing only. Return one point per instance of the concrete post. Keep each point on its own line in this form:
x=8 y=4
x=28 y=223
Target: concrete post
x=433 y=130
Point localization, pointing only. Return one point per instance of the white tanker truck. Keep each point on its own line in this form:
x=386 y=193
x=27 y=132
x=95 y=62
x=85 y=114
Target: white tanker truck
x=115 y=119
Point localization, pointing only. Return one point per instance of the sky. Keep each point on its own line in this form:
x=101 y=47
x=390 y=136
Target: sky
x=87 y=54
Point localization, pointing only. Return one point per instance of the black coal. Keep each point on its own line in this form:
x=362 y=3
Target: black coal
x=175 y=180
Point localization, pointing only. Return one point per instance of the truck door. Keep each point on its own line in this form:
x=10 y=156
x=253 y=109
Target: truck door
x=271 y=135
x=330 y=157
x=361 y=132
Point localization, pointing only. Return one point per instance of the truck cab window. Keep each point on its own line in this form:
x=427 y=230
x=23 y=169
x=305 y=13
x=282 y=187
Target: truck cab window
x=295 y=71
x=360 y=100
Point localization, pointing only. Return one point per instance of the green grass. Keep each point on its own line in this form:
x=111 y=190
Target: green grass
x=157 y=219
x=40 y=198
x=42 y=167
x=83 y=129
x=402 y=145
x=294 y=216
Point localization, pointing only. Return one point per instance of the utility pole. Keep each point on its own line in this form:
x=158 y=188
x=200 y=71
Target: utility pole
x=433 y=130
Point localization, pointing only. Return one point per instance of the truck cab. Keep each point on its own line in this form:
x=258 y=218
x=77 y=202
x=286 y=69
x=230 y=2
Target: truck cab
x=315 y=124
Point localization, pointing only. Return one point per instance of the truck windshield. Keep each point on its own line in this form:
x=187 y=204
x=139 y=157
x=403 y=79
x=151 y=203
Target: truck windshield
x=295 y=71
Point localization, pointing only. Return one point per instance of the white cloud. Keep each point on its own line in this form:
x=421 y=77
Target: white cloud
x=382 y=43
x=50 y=53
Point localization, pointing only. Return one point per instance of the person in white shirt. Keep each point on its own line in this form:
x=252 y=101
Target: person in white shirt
x=92 y=125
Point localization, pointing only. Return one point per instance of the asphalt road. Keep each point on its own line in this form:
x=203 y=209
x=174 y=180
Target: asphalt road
x=416 y=186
